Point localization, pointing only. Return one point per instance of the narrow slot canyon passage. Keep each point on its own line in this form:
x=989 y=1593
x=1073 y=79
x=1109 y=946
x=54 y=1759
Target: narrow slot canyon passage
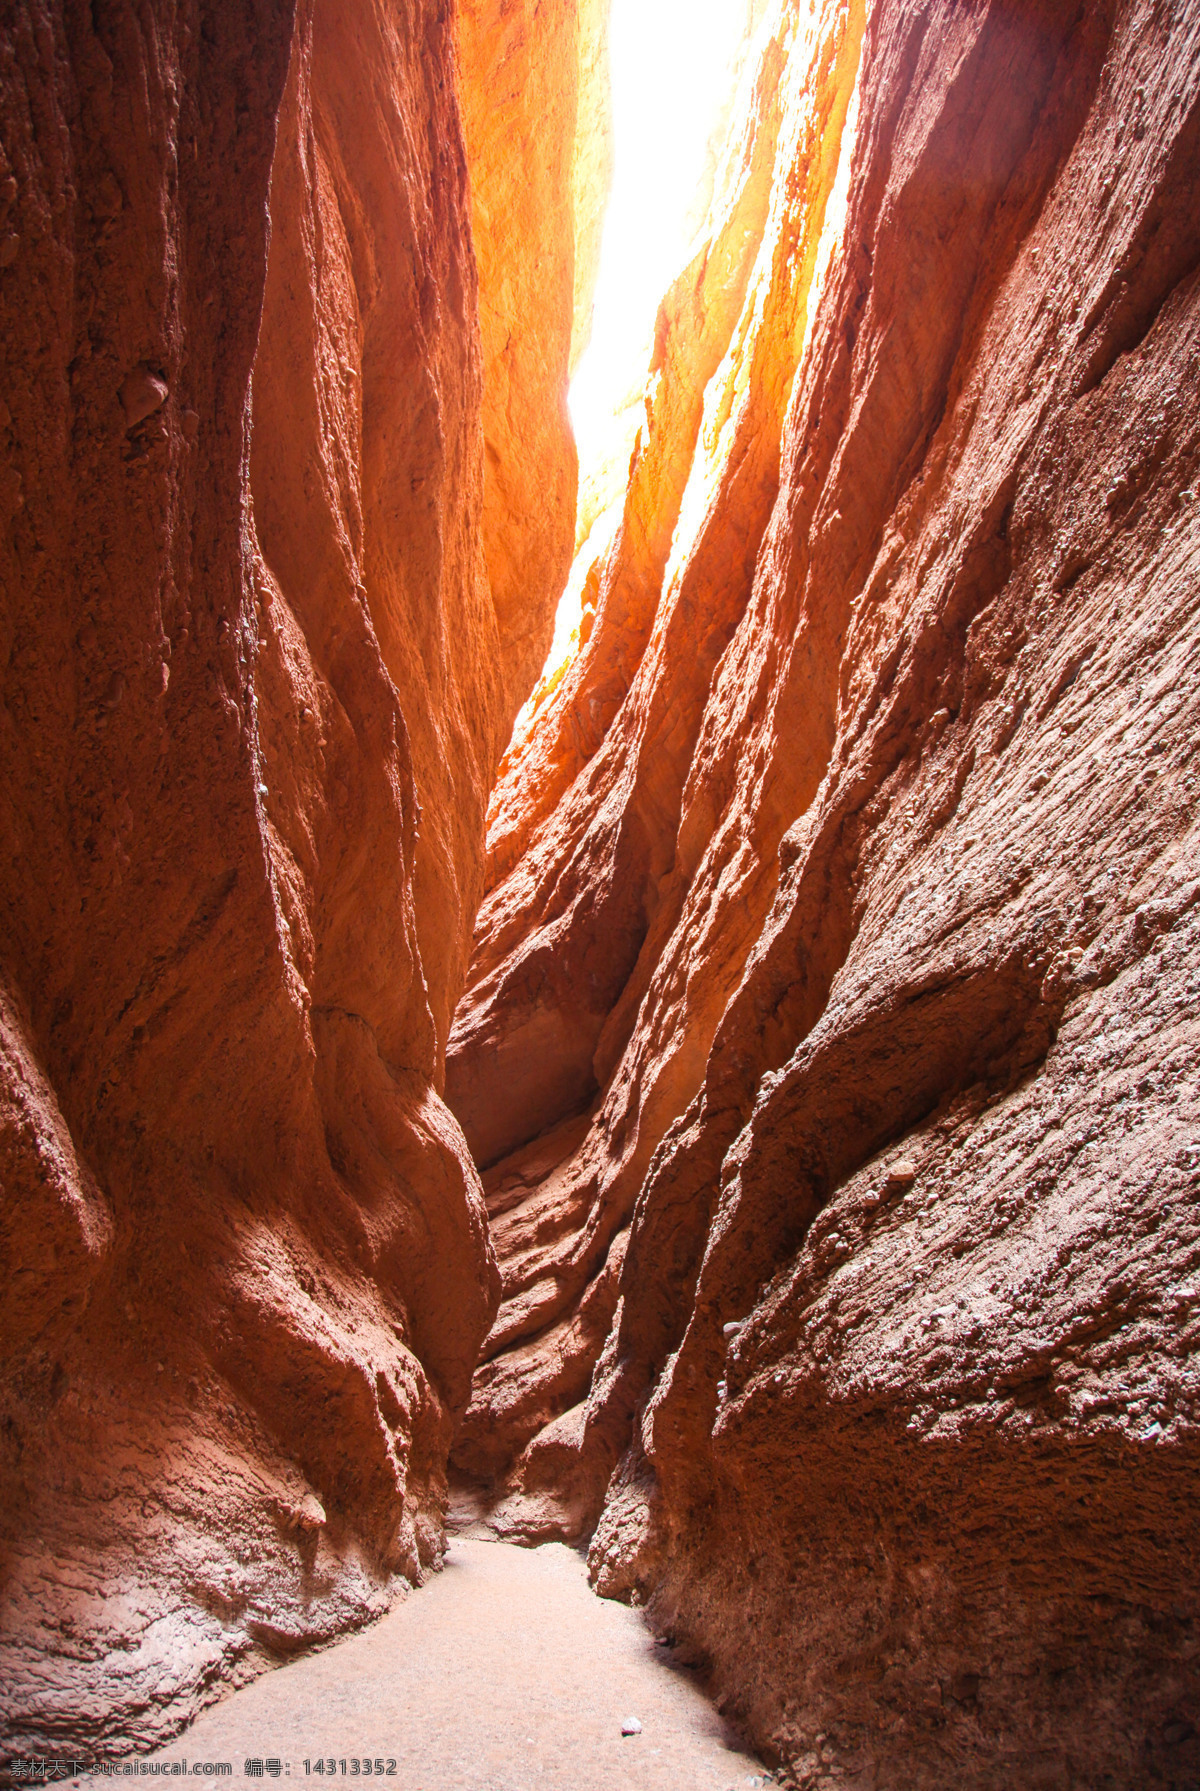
x=599 y=893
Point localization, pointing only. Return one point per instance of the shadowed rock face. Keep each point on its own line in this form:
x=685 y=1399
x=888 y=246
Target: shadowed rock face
x=829 y=1044
x=254 y=691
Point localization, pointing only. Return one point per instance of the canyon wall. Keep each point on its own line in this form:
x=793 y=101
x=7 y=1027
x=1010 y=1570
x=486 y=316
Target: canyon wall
x=535 y=101
x=830 y=1042
x=254 y=689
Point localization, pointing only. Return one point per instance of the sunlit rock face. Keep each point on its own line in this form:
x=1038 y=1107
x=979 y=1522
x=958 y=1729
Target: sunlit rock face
x=591 y=162
x=830 y=1042
x=534 y=94
x=254 y=693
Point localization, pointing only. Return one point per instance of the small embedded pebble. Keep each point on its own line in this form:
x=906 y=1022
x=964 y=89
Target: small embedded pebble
x=631 y=1726
x=142 y=394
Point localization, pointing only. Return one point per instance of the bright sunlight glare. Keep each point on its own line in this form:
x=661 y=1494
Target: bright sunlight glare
x=673 y=65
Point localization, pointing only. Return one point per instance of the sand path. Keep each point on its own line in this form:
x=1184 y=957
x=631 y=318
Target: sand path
x=505 y=1673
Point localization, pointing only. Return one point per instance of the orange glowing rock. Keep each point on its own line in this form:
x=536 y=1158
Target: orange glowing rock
x=534 y=90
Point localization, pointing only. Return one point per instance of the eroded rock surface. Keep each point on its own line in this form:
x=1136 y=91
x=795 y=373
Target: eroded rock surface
x=536 y=117
x=832 y=1010
x=254 y=692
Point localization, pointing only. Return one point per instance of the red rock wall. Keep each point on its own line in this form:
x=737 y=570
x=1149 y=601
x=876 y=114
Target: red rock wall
x=253 y=694
x=830 y=1030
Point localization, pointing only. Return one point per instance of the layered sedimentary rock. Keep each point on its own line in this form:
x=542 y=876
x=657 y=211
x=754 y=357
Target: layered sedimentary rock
x=830 y=1041
x=536 y=118
x=254 y=689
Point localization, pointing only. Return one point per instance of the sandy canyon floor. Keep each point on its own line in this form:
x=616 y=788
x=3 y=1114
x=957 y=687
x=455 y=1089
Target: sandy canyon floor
x=505 y=1673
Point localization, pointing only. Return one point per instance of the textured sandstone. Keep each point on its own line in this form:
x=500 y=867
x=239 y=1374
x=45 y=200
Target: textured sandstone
x=254 y=691
x=833 y=1007
x=535 y=116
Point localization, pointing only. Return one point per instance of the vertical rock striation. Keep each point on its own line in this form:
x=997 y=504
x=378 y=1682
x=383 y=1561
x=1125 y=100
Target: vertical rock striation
x=829 y=1045
x=535 y=116
x=254 y=687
